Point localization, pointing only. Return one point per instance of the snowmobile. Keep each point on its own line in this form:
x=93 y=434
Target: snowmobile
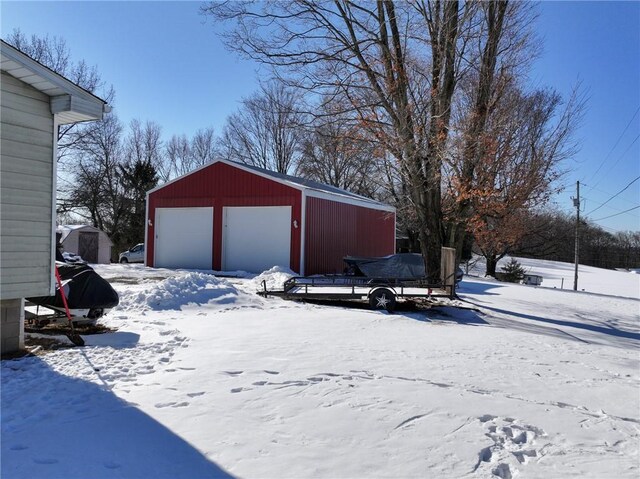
x=88 y=295
x=404 y=266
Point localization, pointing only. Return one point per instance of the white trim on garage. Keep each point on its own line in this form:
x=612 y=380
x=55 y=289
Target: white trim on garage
x=301 y=232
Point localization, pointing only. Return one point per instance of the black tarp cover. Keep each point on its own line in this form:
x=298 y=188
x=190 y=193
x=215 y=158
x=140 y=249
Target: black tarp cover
x=83 y=287
x=397 y=266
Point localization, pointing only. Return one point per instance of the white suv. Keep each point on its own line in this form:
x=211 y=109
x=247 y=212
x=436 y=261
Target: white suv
x=134 y=255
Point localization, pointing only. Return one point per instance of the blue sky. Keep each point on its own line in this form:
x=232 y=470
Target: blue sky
x=167 y=65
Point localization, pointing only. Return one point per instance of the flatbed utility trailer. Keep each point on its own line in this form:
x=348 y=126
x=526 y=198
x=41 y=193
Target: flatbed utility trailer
x=381 y=293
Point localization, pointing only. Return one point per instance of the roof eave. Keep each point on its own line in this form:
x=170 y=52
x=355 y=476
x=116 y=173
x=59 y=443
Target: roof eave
x=69 y=101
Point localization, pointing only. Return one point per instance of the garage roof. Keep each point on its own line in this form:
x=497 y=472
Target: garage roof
x=69 y=101
x=310 y=187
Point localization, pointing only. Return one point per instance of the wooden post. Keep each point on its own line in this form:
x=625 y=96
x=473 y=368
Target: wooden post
x=576 y=203
x=448 y=269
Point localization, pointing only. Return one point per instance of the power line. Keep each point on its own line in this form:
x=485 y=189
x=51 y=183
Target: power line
x=632 y=182
x=616 y=209
x=605 y=192
x=618 y=160
x=616 y=144
x=618 y=214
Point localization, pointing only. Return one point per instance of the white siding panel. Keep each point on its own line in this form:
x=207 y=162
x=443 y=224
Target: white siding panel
x=26 y=182
x=13 y=195
x=19 y=260
x=16 y=228
x=26 y=166
x=14 y=116
x=29 y=151
x=27 y=245
x=104 y=249
x=26 y=135
x=18 y=212
x=19 y=182
x=25 y=289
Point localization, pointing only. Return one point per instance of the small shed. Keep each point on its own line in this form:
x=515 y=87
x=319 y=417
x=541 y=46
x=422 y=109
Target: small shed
x=231 y=216
x=532 y=279
x=92 y=244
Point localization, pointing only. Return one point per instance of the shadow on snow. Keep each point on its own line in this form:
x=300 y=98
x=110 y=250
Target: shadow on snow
x=595 y=333
x=57 y=426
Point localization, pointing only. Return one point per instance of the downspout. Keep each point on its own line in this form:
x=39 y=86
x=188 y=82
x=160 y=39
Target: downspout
x=54 y=187
x=147 y=224
x=303 y=229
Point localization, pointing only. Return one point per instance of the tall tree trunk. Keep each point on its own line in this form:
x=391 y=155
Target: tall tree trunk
x=492 y=264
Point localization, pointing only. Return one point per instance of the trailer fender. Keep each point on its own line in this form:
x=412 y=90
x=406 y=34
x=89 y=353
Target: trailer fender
x=382 y=298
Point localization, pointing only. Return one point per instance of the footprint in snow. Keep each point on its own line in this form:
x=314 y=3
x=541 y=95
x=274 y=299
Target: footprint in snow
x=193 y=395
x=46 y=461
x=512 y=445
x=19 y=447
x=233 y=373
x=171 y=404
x=239 y=390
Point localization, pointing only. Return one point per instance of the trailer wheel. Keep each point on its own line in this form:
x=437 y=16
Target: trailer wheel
x=382 y=298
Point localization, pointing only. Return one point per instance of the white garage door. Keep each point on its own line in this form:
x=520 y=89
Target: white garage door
x=256 y=238
x=184 y=238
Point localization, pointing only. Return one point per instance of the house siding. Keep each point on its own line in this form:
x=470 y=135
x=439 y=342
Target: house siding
x=26 y=183
x=220 y=185
x=334 y=230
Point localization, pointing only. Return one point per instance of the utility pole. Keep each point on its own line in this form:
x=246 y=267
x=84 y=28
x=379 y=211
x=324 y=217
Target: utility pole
x=576 y=203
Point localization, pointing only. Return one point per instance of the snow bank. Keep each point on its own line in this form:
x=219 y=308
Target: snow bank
x=178 y=291
x=274 y=278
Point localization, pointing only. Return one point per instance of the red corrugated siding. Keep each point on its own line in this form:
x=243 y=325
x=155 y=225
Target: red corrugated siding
x=221 y=185
x=335 y=230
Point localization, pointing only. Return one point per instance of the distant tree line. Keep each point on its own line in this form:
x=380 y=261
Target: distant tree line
x=551 y=235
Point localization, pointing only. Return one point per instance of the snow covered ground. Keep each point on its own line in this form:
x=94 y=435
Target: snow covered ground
x=203 y=378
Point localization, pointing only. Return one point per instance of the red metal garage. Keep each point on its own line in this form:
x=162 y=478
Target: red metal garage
x=230 y=216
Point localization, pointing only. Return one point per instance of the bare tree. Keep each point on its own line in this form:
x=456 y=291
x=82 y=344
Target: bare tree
x=264 y=131
x=336 y=151
x=98 y=195
x=179 y=157
x=203 y=147
x=144 y=156
x=372 y=53
x=184 y=155
x=144 y=143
